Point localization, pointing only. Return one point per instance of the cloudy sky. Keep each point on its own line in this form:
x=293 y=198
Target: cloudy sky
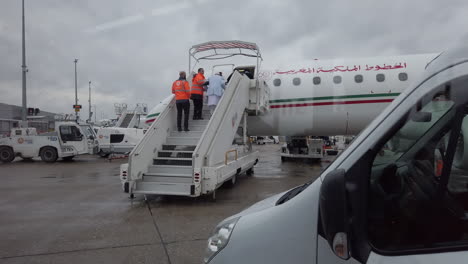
x=132 y=50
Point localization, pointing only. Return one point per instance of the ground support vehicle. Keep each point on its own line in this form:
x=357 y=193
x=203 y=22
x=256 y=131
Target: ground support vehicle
x=302 y=148
x=68 y=140
x=118 y=140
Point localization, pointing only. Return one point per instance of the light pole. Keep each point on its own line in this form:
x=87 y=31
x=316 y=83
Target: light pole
x=24 y=69
x=95 y=113
x=76 y=93
x=89 y=101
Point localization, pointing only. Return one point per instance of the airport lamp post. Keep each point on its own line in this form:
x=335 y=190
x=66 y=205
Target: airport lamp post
x=24 y=70
x=76 y=92
x=95 y=113
x=89 y=101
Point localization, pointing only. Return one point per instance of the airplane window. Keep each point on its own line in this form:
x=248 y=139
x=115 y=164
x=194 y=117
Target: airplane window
x=380 y=77
x=337 y=79
x=297 y=81
x=358 y=78
x=316 y=80
x=276 y=82
x=402 y=76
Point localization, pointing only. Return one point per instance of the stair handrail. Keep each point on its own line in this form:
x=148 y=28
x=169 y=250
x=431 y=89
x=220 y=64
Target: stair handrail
x=211 y=132
x=122 y=116
x=143 y=153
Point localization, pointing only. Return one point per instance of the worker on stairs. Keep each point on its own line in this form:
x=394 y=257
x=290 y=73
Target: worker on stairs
x=181 y=89
x=198 y=83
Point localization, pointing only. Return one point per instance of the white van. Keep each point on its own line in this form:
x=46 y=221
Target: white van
x=398 y=194
x=118 y=139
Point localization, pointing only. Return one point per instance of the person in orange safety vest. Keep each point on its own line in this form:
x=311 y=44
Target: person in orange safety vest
x=198 y=82
x=181 y=89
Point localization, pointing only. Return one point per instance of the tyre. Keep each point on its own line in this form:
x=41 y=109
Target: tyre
x=283 y=159
x=6 y=154
x=102 y=154
x=249 y=171
x=69 y=158
x=49 y=154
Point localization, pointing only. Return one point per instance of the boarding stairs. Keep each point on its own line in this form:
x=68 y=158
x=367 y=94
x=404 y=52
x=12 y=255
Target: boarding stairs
x=131 y=119
x=127 y=119
x=169 y=162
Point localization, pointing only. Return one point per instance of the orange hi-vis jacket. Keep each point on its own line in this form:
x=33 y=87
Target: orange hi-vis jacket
x=197 y=84
x=181 y=89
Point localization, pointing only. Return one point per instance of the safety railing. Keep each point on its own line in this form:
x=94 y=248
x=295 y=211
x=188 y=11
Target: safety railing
x=143 y=154
x=218 y=136
x=226 y=155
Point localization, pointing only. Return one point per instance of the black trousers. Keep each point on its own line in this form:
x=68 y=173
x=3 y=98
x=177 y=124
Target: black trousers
x=197 y=108
x=183 y=105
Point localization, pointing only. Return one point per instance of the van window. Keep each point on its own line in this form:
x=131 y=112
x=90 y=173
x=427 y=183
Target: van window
x=316 y=80
x=413 y=204
x=70 y=133
x=297 y=81
x=116 y=138
x=276 y=82
x=380 y=77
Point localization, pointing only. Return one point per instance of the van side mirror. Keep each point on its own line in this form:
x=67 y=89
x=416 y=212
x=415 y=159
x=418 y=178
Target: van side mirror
x=334 y=212
x=421 y=117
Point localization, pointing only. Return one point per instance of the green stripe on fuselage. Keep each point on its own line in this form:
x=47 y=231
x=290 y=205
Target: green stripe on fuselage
x=354 y=96
x=152 y=115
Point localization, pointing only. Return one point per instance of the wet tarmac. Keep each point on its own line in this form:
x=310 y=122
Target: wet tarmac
x=76 y=212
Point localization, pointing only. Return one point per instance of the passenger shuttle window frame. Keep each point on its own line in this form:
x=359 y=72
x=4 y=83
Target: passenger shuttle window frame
x=296 y=81
x=277 y=82
x=378 y=79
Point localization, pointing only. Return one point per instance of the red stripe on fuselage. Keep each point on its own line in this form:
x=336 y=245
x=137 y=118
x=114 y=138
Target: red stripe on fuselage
x=333 y=103
x=150 y=121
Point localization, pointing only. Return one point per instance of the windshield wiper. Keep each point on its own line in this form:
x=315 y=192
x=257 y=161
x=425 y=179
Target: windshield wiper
x=292 y=193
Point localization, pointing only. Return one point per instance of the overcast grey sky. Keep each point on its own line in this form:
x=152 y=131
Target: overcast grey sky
x=132 y=50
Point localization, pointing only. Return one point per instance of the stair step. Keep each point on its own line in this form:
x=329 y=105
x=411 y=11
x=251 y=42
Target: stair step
x=194 y=128
x=182 y=140
x=205 y=110
x=203 y=122
x=162 y=188
x=170 y=169
x=178 y=147
x=186 y=134
x=167 y=178
x=173 y=161
x=174 y=154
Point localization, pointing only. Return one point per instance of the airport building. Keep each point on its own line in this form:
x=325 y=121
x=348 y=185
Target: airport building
x=10 y=116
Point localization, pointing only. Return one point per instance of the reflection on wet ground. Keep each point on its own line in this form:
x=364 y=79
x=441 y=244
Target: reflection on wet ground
x=76 y=212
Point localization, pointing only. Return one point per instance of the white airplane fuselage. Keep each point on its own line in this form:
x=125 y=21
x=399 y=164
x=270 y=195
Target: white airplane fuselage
x=331 y=106
x=329 y=97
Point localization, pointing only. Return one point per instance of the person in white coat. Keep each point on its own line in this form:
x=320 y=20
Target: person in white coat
x=215 y=90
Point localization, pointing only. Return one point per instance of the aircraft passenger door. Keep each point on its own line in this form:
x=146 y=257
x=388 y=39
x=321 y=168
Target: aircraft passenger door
x=71 y=136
